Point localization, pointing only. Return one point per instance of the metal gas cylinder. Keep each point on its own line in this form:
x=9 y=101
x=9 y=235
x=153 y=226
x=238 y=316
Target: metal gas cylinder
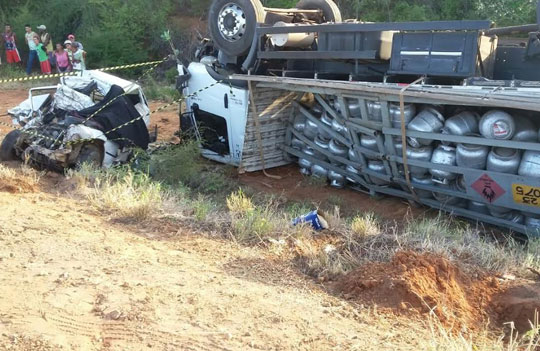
x=395 y=114
x=497 y=124
x=299 y=123
x=327 y=121
x=426 y=180
x=399 y=149
x=443 y=155
x=423 y=153
x=429 y=121
x=337 y=180
x=337 y=148
x=317 y=110
x=378 y=167
x=304 y=163
x=297 y=144
x=472 y=156
x=354 y=108
x=369 y=142
x=319 y=171
x=461 y=184
x=530 y=164
x=374 y=111
x=448 y=199
x=532 y=222
x=305 y=171
x=498 y=211
x=514 y=217
x=525 y=130
x=461 y=124
x=352 y=170
x=352 y=155
x=478 y=207
x=503 y=160
x=311 y=129
x=339 y=127
x=322 y=143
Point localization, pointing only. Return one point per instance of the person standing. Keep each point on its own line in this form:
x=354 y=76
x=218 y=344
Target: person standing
x=61 y=56
x=42 y=56
x=32 y=46
x=12 y=54
x=46 y=40
x=78 y=58
x=71 y=38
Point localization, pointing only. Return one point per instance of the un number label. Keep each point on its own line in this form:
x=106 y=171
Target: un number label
x=526 y=195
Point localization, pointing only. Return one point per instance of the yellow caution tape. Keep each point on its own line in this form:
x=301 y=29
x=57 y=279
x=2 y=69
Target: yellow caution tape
x=59 y=75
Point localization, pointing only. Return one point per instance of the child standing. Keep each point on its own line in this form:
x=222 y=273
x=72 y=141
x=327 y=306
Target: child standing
x=42 y=56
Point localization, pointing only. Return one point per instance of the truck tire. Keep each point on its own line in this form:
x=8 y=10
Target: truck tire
x=91 y=153
x=7 y=148
x=331 y=12
x=232 y=24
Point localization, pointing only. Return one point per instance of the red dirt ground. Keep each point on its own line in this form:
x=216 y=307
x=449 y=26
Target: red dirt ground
x=419 y=283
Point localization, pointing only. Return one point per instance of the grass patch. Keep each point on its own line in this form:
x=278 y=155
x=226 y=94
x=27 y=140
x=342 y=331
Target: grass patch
x=161 y=91
x=121 y=191
x=177 y=164
x=202 y=207
x=11 y=71
x=364 y=226
x=250 y=223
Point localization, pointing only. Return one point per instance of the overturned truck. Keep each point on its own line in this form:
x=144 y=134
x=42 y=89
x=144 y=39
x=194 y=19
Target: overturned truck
x=445 y=114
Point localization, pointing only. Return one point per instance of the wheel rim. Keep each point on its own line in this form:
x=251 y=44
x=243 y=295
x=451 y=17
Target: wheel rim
x=232 y=22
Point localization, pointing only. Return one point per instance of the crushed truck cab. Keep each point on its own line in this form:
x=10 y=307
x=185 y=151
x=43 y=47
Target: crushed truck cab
x=94 y=117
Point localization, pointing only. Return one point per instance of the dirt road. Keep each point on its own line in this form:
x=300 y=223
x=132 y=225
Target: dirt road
x=74 y=280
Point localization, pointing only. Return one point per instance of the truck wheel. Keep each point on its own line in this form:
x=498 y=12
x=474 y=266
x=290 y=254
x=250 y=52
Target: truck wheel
x=331 y=12
x=232 y=24
x=91 y=153
x=7 y=148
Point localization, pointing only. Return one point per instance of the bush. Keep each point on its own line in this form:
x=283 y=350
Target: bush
x=177 y=164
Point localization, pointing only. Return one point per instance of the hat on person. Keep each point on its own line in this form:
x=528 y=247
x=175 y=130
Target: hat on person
x=42 y=27
x=68 y=42
x=71 y=36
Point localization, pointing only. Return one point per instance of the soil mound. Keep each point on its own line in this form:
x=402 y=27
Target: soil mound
x=420 y=283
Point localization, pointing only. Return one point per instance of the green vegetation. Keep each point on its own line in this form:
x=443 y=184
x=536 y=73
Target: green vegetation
x=120 y=32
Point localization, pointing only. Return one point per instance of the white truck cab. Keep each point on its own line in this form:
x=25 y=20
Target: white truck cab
x=217 y=112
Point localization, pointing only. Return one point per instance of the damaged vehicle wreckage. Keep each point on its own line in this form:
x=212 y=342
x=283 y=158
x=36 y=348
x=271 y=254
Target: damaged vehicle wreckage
x=92 y=118
x=445 y=113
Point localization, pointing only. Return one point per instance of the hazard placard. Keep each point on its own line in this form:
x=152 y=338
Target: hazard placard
x=488 y=188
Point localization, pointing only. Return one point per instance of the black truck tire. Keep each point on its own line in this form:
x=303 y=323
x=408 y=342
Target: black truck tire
x=237 y=42
x=331 y=12
x=7 y=148
x=90 y=153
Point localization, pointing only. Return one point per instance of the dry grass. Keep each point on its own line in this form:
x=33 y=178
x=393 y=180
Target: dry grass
x=121 y=192
x=441 y=339
x=20 y=180
x=365 y=226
